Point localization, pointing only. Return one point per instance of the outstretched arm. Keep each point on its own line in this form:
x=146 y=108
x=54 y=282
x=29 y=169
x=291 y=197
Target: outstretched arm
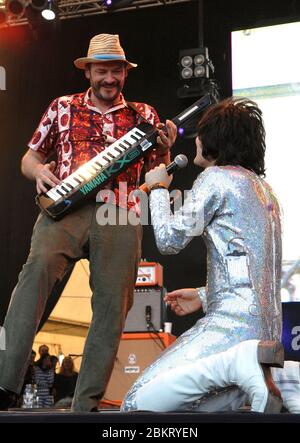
x=187 y=300
x=183 y=301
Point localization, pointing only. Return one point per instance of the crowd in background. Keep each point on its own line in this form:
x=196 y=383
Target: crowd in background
x=54 y=387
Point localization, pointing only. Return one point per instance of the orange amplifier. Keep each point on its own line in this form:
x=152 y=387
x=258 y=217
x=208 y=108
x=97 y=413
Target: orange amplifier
x=149 y=274
x=136 y=352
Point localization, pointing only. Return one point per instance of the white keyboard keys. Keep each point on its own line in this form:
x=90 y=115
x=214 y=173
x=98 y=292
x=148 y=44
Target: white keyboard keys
x=72 y=182
x=85 y=173
x=78 y=178
x=53 y=195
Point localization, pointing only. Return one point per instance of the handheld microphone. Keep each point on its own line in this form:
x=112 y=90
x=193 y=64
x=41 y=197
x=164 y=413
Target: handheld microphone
x=148 y=312
x=180 y=161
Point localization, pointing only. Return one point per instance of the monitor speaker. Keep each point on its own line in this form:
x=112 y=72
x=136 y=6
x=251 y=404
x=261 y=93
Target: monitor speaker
x=136 y=352
x=148 y=311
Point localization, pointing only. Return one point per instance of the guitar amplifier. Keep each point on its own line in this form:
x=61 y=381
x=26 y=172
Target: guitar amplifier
x=136 y=352
x=148 y=312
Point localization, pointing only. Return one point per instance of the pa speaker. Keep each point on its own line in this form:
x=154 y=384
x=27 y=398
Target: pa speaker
x=136 y=352
x=148 y=312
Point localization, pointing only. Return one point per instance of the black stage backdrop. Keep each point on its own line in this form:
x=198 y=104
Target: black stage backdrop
x=40 y=68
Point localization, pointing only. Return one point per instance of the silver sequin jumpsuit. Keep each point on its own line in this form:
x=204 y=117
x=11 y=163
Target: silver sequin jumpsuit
x=239 y=218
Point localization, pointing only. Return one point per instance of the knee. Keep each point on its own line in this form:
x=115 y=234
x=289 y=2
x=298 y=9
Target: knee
x=44 y=261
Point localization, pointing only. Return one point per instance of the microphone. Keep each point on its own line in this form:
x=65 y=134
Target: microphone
x=180 y=161
x=148 y=312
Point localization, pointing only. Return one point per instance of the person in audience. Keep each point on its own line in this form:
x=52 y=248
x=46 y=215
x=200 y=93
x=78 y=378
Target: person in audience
x=43 y=349
x=44 y=378
x=65 y=380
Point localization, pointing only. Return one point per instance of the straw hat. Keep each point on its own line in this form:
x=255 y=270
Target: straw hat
x=104 y=48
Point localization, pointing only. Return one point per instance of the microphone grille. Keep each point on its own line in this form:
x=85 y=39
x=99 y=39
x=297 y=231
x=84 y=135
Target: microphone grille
x=181 y=160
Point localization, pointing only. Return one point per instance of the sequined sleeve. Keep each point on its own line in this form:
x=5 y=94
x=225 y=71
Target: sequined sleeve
x=174 y=231
x=202 y=296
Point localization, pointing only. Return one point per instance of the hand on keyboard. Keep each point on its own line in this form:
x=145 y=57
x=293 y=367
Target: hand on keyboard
x=44 y=176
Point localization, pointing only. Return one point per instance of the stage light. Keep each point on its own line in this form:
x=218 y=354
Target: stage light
x=187 y=73
x=199 y=71
x=48 y=13
x=195 y=68
x=117 y=4
x=186 y=61
x=16 y=7
x=197 y=61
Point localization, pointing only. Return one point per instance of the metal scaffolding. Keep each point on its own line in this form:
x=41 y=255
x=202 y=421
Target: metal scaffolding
x=68 y=9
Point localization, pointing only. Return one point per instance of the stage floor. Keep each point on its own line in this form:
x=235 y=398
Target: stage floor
x=142 y=417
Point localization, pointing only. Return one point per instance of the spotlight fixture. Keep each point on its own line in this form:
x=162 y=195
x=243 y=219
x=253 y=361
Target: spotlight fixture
x=194 y=63
x=16 y=7
x=48 y=13
x=195 y=69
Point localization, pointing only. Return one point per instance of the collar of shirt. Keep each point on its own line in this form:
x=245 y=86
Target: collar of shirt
x=88 y=102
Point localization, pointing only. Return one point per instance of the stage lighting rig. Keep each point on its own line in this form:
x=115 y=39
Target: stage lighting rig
x=16 y=8
x=195 y=70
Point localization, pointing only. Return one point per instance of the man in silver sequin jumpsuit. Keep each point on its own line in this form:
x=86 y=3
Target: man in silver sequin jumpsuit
x=237 y=214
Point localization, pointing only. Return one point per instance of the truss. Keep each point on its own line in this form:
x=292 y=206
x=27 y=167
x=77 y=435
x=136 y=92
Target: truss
x=68 y=9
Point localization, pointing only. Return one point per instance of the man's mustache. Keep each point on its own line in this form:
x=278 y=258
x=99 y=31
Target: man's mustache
x=108 y=84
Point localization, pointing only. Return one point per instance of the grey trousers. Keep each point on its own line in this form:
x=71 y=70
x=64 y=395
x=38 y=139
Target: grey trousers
x=114 y=252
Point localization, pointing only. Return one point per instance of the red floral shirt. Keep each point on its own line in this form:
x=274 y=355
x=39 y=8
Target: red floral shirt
x=75 y=130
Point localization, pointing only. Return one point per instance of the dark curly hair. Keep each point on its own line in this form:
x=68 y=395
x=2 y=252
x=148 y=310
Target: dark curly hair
x=232 y=133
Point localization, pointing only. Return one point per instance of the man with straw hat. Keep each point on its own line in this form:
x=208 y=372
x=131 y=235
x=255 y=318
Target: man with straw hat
x=77 y=127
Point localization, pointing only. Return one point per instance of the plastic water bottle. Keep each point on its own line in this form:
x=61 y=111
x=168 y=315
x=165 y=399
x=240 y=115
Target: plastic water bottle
x=28 y=397
x=35 y=397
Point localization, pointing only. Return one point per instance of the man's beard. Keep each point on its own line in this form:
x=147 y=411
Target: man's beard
x=96 y=90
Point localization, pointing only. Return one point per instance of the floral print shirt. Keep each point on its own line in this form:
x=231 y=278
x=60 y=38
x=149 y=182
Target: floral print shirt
x=76 y=131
